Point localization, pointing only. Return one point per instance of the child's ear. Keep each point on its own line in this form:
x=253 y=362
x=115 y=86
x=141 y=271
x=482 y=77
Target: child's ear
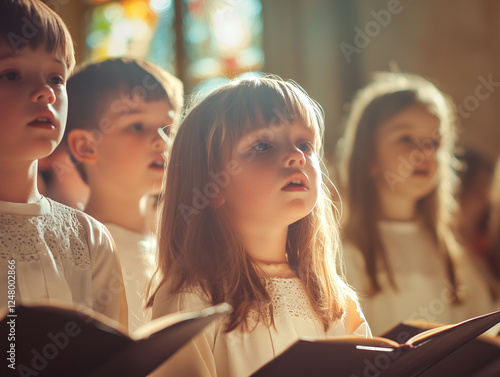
x=82 y=146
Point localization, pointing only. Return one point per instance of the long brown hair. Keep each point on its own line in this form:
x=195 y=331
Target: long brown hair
x=199 y=247
x=386 y=96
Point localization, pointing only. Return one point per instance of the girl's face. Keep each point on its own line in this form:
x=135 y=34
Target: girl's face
x=277 y=176
x=406 y=153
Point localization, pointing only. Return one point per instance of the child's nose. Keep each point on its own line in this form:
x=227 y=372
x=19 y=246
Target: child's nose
x=294 y=157
x=43 y=93
x=158 y=144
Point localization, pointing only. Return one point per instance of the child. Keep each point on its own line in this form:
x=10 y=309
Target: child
x=246 y=220
x=398 y=181
x=48 y=250
x=471 y=222
x=58 y=179
x=116 y=108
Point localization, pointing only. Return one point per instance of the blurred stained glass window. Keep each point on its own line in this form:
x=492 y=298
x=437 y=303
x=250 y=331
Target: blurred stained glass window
x=219 y=39
x=222 y=38
x=135 y=28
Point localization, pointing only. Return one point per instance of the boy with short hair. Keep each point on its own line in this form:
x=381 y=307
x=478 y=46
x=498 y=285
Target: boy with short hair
x=47 y=250
x=117 y=108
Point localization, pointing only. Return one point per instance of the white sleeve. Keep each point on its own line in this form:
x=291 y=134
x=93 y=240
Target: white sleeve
x=355 y=321
x=195 y=359
x=355 y=268
x=472 y=278
x=107 y=283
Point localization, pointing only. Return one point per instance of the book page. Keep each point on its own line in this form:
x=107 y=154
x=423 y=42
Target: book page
x=428 y=334
x=359 y=340
x=474 y=327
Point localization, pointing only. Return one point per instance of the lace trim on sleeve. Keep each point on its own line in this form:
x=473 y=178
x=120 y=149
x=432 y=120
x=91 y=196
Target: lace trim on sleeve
x=59 y=232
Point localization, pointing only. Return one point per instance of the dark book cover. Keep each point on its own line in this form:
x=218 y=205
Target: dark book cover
x=53 y=340
x=421 y=355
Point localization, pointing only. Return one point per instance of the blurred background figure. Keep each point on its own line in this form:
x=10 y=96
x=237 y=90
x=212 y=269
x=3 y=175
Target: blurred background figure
x=475 y=173
x=60 y=181
x=397 y=185
x=493 y=256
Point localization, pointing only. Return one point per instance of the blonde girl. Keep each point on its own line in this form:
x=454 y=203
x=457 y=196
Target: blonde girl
x=398 y=183
x=246 y=220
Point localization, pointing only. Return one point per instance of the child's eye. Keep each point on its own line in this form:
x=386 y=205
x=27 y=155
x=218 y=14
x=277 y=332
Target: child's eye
x=306 y=146
x=136 y=127
x=406 y=139
x=10 y=76
x=435 y=144
x=56 y=80
x=262 y=146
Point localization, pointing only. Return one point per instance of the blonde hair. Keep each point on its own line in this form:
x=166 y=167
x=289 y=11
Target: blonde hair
x=201 y=248
x=382 y=99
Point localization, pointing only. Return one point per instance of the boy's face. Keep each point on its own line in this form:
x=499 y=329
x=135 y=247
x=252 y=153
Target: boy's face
x=131 y=153
x=33 y=103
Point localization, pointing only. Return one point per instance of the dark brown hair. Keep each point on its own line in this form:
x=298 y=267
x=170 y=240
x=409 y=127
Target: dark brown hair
x=31 y=23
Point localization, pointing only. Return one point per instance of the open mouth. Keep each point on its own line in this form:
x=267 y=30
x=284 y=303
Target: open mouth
x=157 y=164
x=296 y=184
x=42 y=122
x=420 y=172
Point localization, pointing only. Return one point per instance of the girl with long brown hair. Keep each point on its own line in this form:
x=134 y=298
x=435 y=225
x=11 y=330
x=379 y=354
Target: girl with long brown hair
x=398 y=182
x=246 y=220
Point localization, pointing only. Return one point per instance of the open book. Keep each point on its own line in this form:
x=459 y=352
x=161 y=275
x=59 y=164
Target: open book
x=54 y=340
x=426 y=354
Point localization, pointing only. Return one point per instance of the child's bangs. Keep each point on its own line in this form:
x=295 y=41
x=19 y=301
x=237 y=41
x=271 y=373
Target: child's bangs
x=57 y=40
x=135 y=90
x=34 y=24
x=270 y=102
x=53 y=34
